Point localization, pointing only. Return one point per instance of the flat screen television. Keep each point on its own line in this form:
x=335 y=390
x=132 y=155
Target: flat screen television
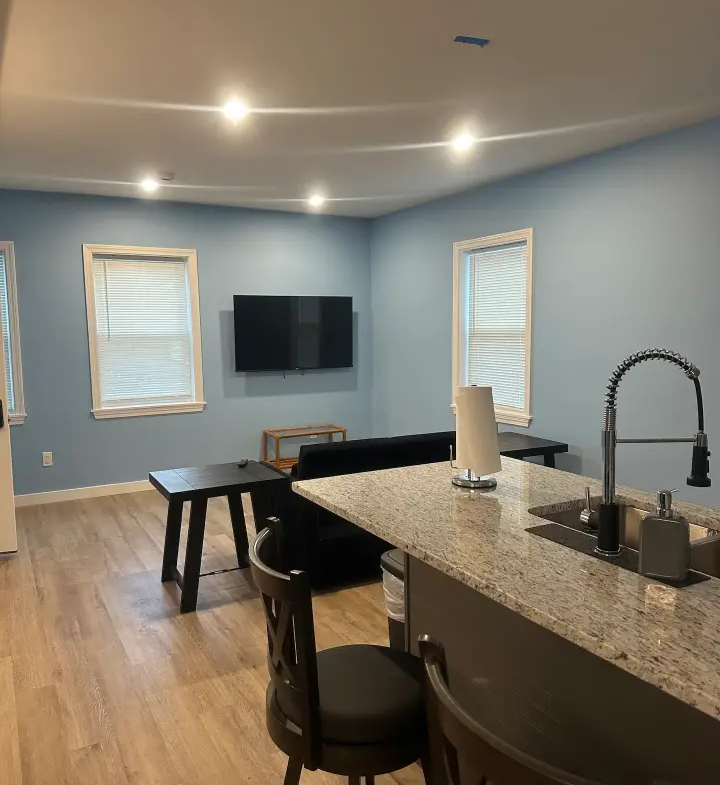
x=292 y=333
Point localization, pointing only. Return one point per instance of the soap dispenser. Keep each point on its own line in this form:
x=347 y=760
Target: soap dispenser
x=664 y=542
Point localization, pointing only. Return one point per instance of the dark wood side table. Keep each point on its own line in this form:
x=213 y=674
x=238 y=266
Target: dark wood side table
x=197 y=485
x=518 y=445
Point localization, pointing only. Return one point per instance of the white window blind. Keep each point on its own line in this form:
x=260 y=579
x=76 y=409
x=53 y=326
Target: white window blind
x=497 y=350
x=143 y=352
x=7 y=346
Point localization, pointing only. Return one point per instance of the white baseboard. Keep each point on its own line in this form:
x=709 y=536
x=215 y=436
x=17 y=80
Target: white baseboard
x=70 y=494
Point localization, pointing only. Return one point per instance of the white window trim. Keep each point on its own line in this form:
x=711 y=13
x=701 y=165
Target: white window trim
x=186 y=254
x=504 y=414
x=20 y=414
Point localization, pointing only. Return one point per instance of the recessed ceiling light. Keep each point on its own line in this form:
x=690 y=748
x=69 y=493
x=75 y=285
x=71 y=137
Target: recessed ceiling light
x=316 y=201
x=462 y=142
x=149 y=185
x=235 y=110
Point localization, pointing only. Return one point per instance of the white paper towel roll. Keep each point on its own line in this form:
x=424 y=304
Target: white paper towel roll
x=476 y=430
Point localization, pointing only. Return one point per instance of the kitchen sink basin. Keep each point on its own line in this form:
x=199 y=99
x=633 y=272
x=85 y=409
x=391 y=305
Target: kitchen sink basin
x=704 y=543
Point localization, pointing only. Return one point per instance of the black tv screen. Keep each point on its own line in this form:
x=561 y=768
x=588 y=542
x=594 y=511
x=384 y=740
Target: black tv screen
x=292 y=333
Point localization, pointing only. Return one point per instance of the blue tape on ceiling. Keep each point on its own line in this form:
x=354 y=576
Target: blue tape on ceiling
x=470 y=39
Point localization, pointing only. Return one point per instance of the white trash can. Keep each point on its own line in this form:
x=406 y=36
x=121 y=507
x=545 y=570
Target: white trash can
x=393 y=573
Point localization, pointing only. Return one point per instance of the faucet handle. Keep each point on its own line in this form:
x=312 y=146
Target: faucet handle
x=588 y=516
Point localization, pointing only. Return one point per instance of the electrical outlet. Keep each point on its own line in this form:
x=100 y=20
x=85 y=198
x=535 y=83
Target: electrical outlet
x=47 y=459
x=314 y=436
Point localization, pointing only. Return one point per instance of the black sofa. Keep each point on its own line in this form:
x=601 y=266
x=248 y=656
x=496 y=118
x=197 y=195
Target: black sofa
x=333 y=550
x=368 y=455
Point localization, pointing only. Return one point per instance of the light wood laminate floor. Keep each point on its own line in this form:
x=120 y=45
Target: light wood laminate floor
x=103 y=681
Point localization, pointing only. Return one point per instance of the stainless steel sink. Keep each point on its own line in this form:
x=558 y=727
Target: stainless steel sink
x=704 y=543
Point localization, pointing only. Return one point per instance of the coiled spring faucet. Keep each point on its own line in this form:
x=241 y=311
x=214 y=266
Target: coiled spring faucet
x=608 y=519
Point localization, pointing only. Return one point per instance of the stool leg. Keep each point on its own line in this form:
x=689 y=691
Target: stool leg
x=353 y=780
x=193 y=555
x=237 y=519
x=172 y=540
x=293 y=772
x=427 y=770
x=369 y=780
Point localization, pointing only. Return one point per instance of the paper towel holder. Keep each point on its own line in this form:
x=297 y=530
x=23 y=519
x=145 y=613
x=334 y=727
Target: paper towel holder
x=468 y=478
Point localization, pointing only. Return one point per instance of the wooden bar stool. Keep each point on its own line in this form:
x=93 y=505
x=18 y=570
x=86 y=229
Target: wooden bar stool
x=459 y=744
x=356 y=711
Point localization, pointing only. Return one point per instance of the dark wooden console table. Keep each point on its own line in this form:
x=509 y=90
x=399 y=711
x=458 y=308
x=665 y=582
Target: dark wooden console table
x=197 y=485
x=519 y=445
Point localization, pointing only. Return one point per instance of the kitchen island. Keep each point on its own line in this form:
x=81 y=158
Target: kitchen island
x=567 y=656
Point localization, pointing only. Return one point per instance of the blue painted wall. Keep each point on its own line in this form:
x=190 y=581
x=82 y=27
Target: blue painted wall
x=626 y=257
x=239 y=251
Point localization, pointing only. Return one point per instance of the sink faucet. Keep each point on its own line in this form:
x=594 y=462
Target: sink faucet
x=608 y=518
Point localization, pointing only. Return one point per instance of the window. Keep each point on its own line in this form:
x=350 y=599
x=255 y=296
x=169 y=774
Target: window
x=492 y=297
x=11 y=335
x=144 y=330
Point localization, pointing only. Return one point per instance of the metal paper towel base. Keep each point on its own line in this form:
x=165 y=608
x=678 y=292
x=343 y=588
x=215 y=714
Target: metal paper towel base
x=468 y=479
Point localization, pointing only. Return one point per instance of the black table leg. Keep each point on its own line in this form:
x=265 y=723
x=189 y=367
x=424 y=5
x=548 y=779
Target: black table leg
x=272 y=500
x=237 y=519
x=262 y=508
x=550 y=459
x=193 y=555
x=172 y=540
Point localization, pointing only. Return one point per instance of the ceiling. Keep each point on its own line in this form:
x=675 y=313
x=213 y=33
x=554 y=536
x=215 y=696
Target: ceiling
x=356 y=100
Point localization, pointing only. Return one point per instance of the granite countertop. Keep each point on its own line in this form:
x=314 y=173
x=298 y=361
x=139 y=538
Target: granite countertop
x=668 y=637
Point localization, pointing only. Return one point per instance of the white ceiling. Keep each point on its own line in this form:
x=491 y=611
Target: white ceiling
x=354 y=98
